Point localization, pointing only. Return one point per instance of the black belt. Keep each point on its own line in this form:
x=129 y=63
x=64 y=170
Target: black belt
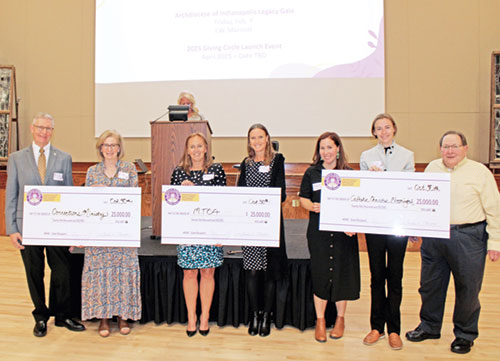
x=466 y=225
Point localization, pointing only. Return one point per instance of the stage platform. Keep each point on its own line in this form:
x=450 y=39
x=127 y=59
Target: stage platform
x=163 y=298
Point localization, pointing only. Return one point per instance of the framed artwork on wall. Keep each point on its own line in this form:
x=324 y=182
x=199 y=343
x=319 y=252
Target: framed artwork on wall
x=8 y=111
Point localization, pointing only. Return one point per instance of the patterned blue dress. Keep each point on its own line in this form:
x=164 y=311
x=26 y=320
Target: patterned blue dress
x=200 y=256
x=111 y=276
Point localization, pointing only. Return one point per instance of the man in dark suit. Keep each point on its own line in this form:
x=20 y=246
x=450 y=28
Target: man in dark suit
x=40 y=164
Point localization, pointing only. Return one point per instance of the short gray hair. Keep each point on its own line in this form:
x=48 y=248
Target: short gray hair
x=43 y=115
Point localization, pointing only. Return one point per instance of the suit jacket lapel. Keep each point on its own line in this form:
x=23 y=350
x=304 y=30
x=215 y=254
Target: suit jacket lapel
x=30 y=160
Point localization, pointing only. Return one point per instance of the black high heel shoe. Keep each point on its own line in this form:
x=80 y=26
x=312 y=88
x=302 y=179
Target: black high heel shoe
x=205 y=332
x=192 y=333
x=254 y=324
x=265 y=325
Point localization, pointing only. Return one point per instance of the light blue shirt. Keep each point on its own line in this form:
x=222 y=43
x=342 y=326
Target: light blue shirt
x=396 y=159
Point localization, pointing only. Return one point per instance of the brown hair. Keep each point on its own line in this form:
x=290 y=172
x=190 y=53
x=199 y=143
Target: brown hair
x=269 y=152
x=454 y=132
x=341 y=160
x=186 y=163
x=105 y=135
x=384 y=116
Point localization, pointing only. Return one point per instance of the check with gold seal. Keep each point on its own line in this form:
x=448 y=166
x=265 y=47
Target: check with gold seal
x=236 y=216
x=397 y=203
x=82 y=216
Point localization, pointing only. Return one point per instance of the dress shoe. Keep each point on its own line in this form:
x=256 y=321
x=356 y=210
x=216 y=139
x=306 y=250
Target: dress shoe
x=338 y=330
x=395 y=341
x=70 y=324
x=40 y=328
x=190 y=333
x=373 y=337
x=461 y=345
x=320 y=332
x=207 y=330
x=253 y=327
x=418 y=335
x=265 y=325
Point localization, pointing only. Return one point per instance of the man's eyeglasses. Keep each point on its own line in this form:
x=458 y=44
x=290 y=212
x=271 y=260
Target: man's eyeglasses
x=42 y=129
x=453 y=147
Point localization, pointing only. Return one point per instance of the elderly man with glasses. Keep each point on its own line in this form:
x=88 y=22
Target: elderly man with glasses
x=474 y=233
x=40 y=164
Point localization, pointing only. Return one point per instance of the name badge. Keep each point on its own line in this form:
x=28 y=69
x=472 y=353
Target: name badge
x=207 y=177
x=264 y=169
x=123 y=175
x=58 y=176
x=316 y=186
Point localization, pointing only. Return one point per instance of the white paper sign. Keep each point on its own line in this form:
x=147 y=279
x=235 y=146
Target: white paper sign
x=221 y=215
x=397 y=203
x=82 y=216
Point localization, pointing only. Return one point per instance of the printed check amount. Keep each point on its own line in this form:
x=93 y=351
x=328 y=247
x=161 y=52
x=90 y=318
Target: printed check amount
x=82 y=216
x=237 y=216
x=397 y=203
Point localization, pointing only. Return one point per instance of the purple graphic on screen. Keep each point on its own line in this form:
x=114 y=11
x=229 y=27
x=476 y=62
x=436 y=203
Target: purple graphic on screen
x=370 y=67
x=34 y=197
x=332 y=181
x=172 y=196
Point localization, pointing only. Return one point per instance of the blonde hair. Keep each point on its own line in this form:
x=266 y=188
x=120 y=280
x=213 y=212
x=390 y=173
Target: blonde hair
x=186 y=163
x=105 y=135
x=268 y=153
x=189 y=96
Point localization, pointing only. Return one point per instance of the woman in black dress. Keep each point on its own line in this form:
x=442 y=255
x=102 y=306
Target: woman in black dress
x=263 y=265
x=334 y=255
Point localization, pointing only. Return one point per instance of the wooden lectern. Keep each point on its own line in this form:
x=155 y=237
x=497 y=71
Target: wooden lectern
x=167 y=147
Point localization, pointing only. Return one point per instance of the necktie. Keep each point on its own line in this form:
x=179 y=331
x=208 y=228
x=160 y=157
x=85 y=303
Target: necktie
x=42 y=165
x=388 y=149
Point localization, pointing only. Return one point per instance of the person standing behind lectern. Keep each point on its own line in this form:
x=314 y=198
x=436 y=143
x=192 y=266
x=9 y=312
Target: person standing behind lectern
x=187 y=98
x=40 y=164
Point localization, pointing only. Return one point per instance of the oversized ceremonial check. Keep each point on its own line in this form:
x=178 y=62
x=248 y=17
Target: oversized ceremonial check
x=397 y=203
x=220 y=215
x=82 y=216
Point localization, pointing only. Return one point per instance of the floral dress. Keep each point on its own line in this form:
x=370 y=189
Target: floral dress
x=111 y=276
x=200 y=256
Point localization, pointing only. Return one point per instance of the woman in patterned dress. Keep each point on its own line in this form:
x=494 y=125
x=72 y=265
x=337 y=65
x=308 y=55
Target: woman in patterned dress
x=263 y=265
x=111 y=276
x=196 y=168
x=334 y=255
